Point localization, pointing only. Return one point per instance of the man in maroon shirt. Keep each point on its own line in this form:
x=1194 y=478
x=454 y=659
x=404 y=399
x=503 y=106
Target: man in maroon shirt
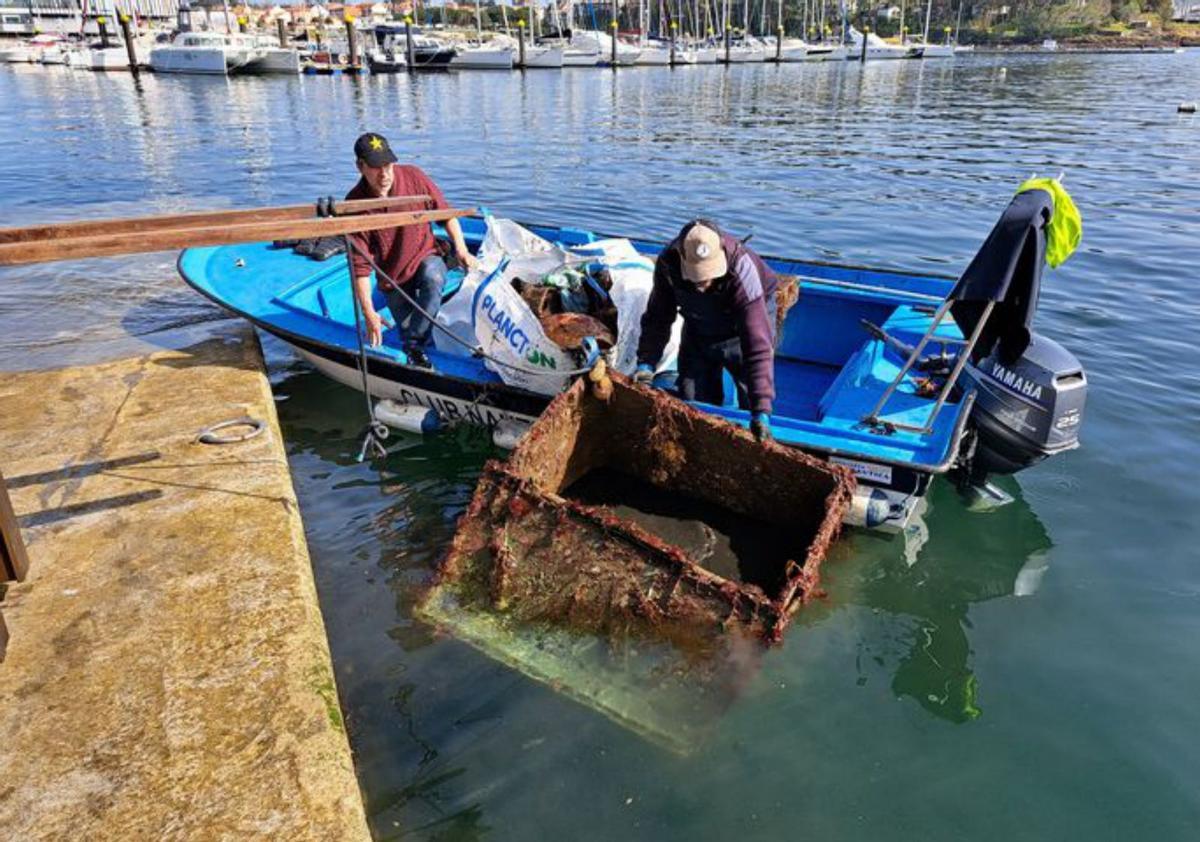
x=408 y=255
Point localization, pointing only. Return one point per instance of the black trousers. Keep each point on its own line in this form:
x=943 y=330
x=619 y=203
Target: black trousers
x=702 y=364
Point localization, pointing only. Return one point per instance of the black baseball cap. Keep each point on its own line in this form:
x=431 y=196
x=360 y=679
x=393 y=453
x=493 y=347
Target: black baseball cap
x=373 y=150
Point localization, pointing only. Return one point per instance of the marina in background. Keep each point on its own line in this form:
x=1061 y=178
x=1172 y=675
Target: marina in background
x=172 y=36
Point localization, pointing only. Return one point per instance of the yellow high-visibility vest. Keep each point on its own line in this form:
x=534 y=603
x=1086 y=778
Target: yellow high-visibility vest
x=1066 y=226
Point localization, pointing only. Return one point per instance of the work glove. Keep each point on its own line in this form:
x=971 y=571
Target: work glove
x=760 y=425
x=644 y=374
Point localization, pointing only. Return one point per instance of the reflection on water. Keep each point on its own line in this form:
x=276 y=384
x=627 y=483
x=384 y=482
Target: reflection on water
x=968 y=559
x=920 y=699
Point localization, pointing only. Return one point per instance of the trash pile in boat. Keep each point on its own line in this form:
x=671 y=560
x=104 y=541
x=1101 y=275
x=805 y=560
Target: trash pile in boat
x=639 y=555
x=544 y=311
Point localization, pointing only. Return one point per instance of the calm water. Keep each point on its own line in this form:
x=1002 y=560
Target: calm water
x=1035 y=674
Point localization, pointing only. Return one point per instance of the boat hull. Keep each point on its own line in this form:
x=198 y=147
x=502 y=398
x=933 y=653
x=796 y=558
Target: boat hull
x=19 y=55
x=893 y=478
x=200 y=61
x=483 y=59
x=654 y=57
x=793 y=52
x=580 y=58
x=938 y=51
x=886 y=499
x=550 y=58
x=275 y=60
x=744 y=55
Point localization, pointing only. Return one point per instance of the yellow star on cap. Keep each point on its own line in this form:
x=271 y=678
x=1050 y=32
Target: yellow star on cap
x=376 y=143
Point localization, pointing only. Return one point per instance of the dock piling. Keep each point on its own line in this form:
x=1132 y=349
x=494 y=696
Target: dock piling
x=281 y=31
x=243 y=25
x=14 y=561
x=352 y=40
x=409 y=56
x=727 y=42
x=521 y=43
x=130 y=47
x=779 y=44
x=863 y=57
x=674 y=32
x=613 y=27
x=102 y=25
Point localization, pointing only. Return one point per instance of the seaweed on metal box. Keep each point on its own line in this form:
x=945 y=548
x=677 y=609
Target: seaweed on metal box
x=595 y=603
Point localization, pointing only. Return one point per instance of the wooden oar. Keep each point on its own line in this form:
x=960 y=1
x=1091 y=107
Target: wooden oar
x=72 y=248
x=181 y=220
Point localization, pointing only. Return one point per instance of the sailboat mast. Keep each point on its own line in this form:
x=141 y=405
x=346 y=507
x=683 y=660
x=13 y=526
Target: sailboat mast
x=478 y=23
x=958 y=26
x=928 y=14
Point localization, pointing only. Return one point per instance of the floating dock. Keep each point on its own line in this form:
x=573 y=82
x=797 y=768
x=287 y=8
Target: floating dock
x=167 y=673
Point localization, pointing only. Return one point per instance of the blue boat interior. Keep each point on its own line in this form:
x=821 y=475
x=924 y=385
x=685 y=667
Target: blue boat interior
x=829 y=371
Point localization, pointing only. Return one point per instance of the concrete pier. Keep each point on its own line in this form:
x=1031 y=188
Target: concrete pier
x=168 y=675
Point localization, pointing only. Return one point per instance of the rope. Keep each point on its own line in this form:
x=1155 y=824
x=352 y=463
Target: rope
x=376 y=431
x=209 y=434
x=476 y=350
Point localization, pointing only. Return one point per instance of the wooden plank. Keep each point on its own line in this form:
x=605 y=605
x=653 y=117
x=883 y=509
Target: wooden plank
x=3 y=638
x=73 y=248
x=202 y=218
x=14 y=562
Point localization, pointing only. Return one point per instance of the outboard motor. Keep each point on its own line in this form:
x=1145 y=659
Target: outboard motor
x=1029 y=390
x=1026 y=410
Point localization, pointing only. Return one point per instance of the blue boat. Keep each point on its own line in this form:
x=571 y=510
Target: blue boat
x=872 y=369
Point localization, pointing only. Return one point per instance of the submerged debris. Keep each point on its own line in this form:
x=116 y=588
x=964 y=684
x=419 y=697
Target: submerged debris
x=525 y=547
x=532 y=552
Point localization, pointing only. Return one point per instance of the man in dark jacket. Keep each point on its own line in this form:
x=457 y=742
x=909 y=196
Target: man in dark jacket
x=726 y=294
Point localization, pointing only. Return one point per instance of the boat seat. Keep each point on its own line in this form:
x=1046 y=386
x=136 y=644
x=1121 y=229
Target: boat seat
x=863 y=379
x=873 y=366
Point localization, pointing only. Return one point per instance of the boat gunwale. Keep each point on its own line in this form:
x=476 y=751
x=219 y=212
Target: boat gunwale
x=338 y=351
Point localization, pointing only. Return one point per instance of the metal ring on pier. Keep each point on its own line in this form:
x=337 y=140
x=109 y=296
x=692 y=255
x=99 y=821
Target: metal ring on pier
x=209 y=434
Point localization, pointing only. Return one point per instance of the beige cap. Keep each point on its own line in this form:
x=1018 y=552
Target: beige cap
x=703 y=257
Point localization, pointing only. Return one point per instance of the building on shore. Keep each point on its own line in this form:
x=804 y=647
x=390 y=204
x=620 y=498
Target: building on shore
x=25 y=17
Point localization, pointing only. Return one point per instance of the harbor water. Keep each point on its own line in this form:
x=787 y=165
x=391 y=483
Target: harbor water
x=1028 y=673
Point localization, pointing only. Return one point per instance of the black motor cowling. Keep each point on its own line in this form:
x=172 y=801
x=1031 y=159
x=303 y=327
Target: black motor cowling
x=1026 y=410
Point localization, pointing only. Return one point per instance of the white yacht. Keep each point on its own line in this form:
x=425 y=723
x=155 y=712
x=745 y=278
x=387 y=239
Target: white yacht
x=490 y=56
x=653 y=53
x=31 y=51
x=581 y=50
x=59 y=52
x=271 y=57
x=826 y=51
x=747 y=51
x=935 y=50
x=544 y=55
x=627 y=54
x=208 y=53
x=110 y=54
x=877 y=48
x=793 y=49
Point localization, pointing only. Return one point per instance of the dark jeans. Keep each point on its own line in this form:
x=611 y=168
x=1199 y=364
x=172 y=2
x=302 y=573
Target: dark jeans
x=426 y=287
x=702 y=364
x=703 y=361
